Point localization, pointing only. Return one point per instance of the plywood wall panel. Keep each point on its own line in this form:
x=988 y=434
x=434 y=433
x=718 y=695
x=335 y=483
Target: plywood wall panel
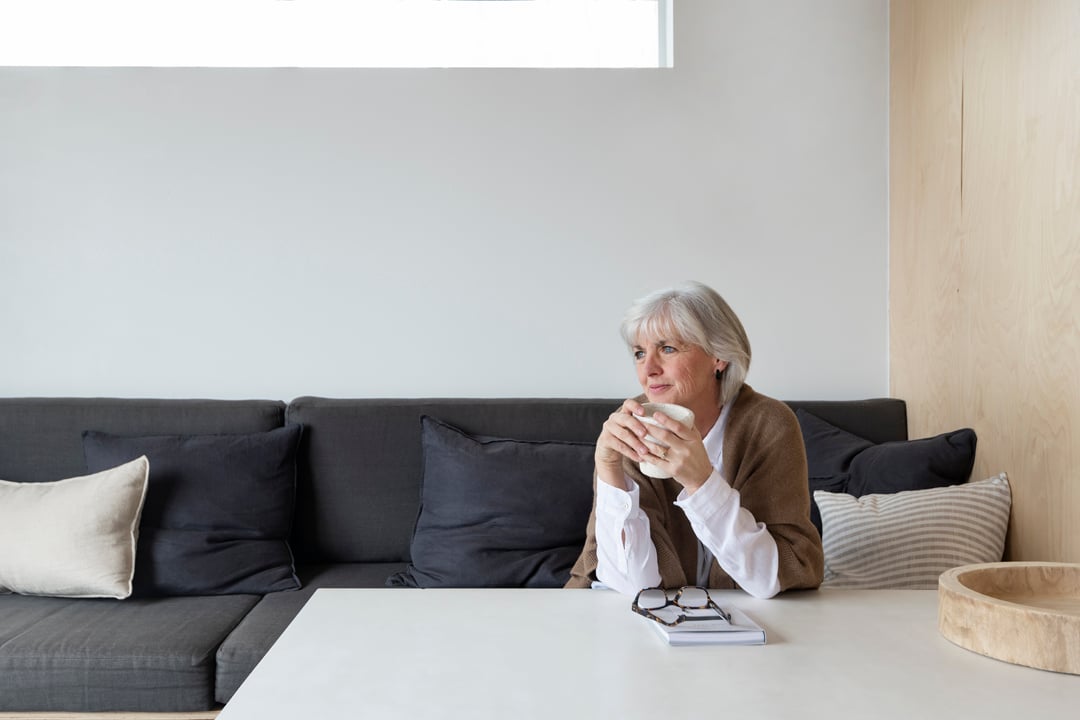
x=925 y=167
x=985 y=245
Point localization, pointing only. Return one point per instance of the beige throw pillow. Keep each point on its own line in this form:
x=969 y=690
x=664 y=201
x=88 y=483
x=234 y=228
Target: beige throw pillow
x=907 y=539
x=74 y=537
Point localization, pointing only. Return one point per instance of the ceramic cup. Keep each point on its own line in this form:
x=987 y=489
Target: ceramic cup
x=679 y=414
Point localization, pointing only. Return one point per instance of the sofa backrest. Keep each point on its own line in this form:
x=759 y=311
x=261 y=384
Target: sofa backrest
x=360 y=463
x=877 y=420
x=41 y=438
x=359 y=474
x=359 y=468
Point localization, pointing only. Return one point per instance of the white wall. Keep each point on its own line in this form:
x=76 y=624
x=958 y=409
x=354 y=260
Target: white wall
x=273 y=233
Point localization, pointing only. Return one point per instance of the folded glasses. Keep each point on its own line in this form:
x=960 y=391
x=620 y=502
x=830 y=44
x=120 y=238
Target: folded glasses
x=687 y=598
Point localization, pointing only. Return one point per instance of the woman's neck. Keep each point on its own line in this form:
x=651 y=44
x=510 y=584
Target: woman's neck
x=705 y=416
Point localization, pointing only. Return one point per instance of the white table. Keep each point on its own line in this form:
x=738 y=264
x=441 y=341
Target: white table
x=400 y=653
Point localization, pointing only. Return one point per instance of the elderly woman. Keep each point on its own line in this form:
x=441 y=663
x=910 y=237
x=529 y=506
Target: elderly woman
x=736 y=510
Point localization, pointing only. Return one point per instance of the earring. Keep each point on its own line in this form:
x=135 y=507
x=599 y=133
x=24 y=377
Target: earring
x=717 y=374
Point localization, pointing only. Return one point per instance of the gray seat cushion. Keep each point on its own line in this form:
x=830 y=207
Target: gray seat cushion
x=153 y=655
x=247 y=644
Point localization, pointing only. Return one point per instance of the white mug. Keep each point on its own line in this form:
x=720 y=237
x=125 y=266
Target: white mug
x=679 y=414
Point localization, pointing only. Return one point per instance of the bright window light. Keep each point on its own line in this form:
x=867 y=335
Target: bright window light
x=337 y=33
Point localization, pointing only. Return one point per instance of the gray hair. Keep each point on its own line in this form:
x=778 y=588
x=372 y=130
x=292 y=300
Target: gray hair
x=694 y=313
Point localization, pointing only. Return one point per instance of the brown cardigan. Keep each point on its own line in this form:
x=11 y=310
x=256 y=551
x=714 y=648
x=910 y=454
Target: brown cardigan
x=765 y=461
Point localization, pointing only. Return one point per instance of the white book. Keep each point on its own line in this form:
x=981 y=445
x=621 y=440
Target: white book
x=740 y=631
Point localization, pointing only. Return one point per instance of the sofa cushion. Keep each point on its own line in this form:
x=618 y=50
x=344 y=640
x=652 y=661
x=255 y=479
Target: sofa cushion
x=360 y=468
x=907 y=539
x=260 y=628
x=73 y=537
x=839 y=461
x=134 y=655
x=41 y=438
x=497 y=512
x=878 y=420
x=218 y=510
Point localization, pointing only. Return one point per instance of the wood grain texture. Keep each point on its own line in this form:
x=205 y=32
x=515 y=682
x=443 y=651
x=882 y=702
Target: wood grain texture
x=1023 y=613
x=985 y=245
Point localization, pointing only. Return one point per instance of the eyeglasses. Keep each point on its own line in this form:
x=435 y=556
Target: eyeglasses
x=687 y=598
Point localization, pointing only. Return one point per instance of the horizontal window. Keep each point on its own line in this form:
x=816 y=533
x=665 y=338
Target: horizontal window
x=337 y=33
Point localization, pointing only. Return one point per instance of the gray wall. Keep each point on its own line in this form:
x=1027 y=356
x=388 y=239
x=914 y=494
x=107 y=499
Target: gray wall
x=272 y=233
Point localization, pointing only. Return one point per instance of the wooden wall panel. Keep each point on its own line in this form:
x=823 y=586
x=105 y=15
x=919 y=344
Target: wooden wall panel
x=985 y=245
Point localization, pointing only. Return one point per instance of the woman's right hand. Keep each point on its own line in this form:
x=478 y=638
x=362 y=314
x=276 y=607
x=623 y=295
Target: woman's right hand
x=622 y=436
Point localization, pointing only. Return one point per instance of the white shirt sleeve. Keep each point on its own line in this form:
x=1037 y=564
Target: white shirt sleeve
x=742 y=546
x=625 y=554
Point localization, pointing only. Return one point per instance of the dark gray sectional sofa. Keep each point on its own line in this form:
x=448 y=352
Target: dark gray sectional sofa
x=357 y=494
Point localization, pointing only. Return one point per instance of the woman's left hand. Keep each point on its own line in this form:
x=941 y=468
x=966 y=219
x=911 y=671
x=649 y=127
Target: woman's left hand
x=685 y=457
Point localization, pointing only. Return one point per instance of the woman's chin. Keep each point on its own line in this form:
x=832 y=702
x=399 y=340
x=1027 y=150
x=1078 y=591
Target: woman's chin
x=664 y=397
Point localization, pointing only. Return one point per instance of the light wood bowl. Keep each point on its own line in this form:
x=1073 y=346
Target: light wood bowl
x=1027 y=613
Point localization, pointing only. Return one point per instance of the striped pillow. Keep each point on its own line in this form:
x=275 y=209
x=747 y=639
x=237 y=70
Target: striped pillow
x=907 y=539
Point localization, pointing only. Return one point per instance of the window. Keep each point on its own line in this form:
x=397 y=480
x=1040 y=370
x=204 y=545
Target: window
x=336 y=33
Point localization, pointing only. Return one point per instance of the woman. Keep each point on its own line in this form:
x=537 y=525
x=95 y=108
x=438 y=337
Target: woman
x=736 y=511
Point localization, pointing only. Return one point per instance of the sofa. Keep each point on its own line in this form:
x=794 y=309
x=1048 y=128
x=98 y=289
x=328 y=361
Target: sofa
x=354 y=486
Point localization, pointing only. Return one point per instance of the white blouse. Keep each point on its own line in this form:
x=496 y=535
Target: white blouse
x=743 y=547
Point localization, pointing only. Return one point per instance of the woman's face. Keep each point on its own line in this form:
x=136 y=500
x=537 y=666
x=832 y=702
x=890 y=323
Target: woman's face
x=672 y=370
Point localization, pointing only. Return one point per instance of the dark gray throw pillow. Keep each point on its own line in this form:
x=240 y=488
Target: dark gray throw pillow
x=839 y=461
x=497 y=512
x=218 y=510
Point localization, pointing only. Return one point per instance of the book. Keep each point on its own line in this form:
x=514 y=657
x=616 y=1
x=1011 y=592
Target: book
x=740 y=631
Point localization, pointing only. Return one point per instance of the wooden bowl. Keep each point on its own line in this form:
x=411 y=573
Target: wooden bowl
x=1027 y=613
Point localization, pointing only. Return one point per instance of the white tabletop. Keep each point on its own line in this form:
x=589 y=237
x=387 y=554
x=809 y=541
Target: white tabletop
x=388 y=653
